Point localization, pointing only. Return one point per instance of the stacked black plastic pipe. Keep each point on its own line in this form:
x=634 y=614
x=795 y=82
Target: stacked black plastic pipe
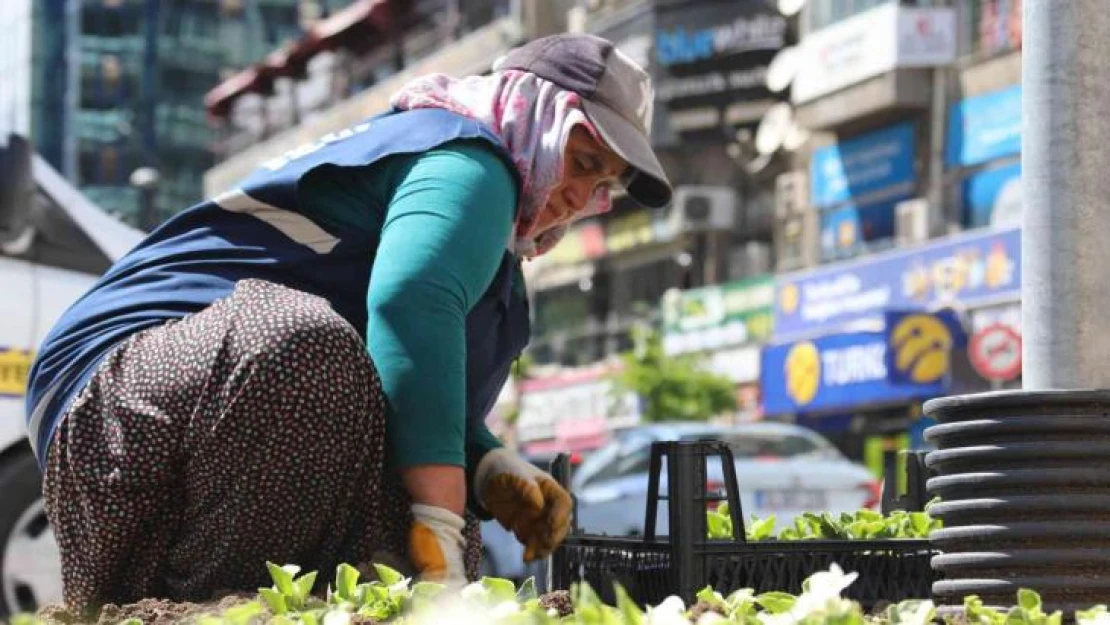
x=1024 y=482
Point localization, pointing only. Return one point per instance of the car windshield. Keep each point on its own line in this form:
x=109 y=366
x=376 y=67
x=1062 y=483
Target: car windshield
x=631 y=455
x=596 y=463
x=777 y=446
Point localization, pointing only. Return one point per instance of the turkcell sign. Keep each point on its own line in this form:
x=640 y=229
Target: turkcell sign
x=854 y=364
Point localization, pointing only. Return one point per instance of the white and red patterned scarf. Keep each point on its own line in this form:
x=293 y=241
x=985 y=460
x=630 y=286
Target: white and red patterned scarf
x=533 y=118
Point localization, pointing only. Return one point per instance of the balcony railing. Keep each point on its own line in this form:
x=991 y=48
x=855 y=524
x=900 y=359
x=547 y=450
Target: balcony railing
x=259 y=133
x=339 y=75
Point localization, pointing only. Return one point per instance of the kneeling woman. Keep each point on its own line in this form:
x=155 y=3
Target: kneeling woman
x=299 y=370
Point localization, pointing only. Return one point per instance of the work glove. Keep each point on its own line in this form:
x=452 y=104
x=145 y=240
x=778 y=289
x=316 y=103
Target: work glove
x=436 y=545
x=524 y=500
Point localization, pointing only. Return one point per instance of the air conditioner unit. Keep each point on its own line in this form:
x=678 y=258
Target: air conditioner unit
x=699 y=208
x=796 y=241
x=911 y=221
x=791 y=194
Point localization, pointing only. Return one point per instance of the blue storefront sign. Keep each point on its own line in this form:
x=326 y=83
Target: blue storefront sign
x=968 y=270
x=993 y=197
x=849 y=231
x=908 y=360
x=984 y=127
x=873 y=162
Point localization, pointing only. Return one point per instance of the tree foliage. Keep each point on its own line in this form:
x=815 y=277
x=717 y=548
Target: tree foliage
x=672 y=388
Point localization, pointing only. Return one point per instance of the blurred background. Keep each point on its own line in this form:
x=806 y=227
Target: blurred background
x=842 y=244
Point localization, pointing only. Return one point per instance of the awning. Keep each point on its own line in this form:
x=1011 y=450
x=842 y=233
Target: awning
x=352 y=28
x=360 y=17
x=254 y=79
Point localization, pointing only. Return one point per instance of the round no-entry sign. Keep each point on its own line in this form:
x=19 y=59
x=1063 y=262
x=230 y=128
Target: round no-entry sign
x=995 y=352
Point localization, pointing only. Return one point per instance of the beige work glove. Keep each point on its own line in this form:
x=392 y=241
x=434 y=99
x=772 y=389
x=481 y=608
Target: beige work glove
x=525 y=500
x=436 y=545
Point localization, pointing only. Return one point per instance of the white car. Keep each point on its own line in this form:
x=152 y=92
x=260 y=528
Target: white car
x=781 y=469
x=53 y=244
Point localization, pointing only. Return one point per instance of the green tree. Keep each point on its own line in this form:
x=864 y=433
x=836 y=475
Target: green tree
x=672 y=388
x=520 y=372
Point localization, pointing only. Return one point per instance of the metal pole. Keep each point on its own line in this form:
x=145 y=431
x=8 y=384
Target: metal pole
x=1066 y=178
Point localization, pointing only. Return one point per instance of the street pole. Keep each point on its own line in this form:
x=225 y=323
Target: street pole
x=1065 y=155
x=1046 y=436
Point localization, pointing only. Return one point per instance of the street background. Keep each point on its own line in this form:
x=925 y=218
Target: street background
x=844 y=241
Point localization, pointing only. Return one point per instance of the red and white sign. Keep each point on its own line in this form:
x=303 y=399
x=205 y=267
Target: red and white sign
x=872 y=43
x=577 y=404
x=995 y=352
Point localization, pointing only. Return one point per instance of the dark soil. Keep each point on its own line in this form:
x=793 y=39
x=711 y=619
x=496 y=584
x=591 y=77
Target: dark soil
x=166 y=612
x=701 y=607
x=560 y=600
x=149 y=611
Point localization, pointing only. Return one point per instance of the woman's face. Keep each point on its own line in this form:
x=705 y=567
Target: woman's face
x=587 y=165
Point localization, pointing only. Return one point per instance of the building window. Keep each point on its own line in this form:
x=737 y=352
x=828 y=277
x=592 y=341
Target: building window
x=822 y=13
x=106 y=83
x=109 y=164
x=111 y=19
x=231 y=8
x=991 y=27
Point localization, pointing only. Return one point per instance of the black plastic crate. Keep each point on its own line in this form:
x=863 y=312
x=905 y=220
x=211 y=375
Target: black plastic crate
x=652 y=568
x=643 y=568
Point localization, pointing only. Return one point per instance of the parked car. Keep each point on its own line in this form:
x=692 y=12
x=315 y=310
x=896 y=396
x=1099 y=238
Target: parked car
x=782 y=470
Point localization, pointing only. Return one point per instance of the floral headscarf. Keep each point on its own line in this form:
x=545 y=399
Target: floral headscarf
x=533 y=118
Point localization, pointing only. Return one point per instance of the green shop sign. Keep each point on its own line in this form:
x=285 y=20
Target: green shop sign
x=718 y=316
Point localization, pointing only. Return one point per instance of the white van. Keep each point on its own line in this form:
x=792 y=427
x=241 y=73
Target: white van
x=53 y=245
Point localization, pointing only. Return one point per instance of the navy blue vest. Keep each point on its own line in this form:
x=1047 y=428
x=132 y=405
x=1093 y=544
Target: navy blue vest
x=259 y=231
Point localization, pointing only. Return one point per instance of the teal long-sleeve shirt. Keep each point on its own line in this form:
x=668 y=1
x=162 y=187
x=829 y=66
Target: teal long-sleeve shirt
x=444 y=218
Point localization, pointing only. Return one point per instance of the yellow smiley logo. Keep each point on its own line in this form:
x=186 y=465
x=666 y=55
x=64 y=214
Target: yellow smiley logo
x=803 y=373
x=847 y=234
x=788 y=298
x=921 y=345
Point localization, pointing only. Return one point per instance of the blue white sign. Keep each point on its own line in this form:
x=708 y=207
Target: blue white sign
x=842 y=371
x=848 y=231
x=711 y=30
x=876 y=161
x=970 y=269
x=993 y=197
x=985 y=127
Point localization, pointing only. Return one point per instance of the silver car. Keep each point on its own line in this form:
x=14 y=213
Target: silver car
x=782 y=470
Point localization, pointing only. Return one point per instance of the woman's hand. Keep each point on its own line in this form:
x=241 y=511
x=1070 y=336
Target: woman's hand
x=525 y=500
x=436 y=545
